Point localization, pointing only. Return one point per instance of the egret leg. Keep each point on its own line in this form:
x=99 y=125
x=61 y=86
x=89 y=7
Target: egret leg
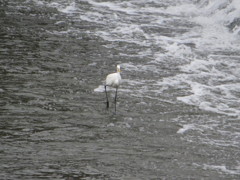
x=106 y=96
x=116 y=100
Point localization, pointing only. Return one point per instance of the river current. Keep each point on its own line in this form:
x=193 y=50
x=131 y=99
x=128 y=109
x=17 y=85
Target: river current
x=178 y=108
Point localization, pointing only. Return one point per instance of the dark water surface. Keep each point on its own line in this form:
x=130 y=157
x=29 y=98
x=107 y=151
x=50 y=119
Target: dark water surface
x=178 y=107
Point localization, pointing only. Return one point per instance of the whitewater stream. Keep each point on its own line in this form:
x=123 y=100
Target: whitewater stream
x=178 y=107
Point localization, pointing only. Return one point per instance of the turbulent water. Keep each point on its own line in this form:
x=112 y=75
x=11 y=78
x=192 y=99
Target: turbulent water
x=178 y=107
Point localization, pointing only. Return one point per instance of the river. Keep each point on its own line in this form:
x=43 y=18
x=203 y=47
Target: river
x=178 y=107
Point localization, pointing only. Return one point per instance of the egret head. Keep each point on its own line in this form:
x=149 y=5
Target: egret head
x=118 y=68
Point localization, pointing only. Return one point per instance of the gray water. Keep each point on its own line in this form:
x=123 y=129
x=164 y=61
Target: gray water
x=178 y=105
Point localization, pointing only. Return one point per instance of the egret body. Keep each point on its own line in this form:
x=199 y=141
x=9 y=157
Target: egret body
x=113 y=80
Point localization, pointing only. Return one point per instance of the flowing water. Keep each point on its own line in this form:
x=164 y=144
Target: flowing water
x=178 y=107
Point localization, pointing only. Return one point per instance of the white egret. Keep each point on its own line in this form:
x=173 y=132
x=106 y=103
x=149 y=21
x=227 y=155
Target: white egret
x=113 y=80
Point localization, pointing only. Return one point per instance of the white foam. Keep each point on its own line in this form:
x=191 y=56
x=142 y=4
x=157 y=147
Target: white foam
x=95 y=17
x=100 y=88
x=213 y=84
x=111 y=125
x=122 y=7
x=222 y=168
x=178 y=50
x=184 y=9
x=213 y=33
x=125 y=33
x=213 y=19
x=71 y=8
x=129 y=30
x=185 y=128
x=208 y=98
